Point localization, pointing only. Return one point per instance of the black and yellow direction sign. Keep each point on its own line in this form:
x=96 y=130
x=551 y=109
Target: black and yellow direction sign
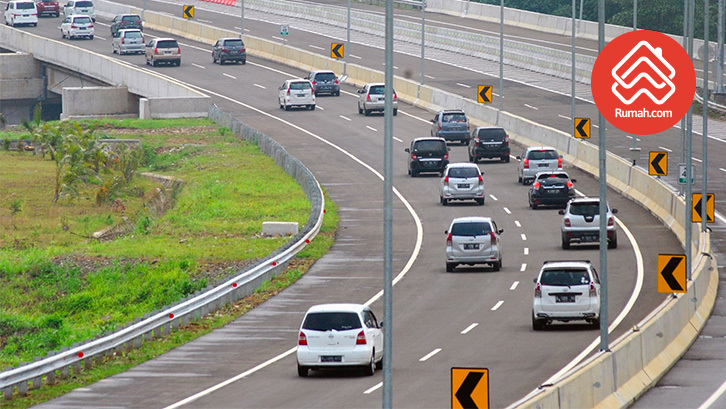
x=582 y=128
x=337 y=50
x=188 y=11
x=469 y=388
x=658 y=163
x=696 y=216
x=484 y=94
x=671 y=273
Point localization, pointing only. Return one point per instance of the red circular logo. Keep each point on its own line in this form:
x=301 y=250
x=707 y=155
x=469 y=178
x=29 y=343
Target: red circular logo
x=643 y=82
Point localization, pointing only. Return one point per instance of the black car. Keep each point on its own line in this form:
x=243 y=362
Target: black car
x=551 y=188
x=124 y=21
x=229 y=49
x=489 y=142
x=324 y=82
x=427 y=155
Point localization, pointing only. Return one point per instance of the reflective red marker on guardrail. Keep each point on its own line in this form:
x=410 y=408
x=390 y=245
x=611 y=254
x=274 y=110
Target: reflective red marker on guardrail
x=171 y=316
x=80 y=354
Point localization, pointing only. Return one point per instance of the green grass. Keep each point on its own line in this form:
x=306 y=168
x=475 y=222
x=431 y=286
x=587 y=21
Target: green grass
x=59 y=288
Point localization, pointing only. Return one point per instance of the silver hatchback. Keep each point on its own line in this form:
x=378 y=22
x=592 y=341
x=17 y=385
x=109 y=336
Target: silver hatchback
x=372 y=98
x=537 y=159
x=461 y=181
x=581 y=222
x=473 y=240
x=128 y=41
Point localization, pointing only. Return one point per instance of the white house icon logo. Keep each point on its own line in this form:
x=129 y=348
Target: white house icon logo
x=642 y=71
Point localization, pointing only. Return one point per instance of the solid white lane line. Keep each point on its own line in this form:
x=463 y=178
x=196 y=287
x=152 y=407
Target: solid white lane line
x=531 y=107
x=524 y=237
x=517 y=223
x=697 y=160
x=429 y=77
x=665 y=149
x=345 y=117
x=463 y=85
x=565 y=117
x=514 y=286
x=278 y=38
x=260 y=86
x=199 y=66
x=714 y=397
x=506 y=210
x=372 y=128
x=430 y=354
x=469 y=328
x=230 y=76
x=376 y=387
x=524 y=267
x=319 y=107
x=355 y=56
x=316 y=47
x=494 y=198
x=497 y=305
x=526 y=251
x=410 y=115
x=397 y=139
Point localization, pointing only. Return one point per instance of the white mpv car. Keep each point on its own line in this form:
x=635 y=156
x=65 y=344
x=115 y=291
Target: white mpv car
x=339 y=335
x=21 y=12
x=473 y=240
x=461 y=181
x=566 y=291
x=296 y=93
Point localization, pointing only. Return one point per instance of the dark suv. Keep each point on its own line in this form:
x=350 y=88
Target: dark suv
x=551 y=188
x=427 y=155
x=452 y=125
x=324 y=82
x=489 y=142
x=125 y=21
x=229 y=49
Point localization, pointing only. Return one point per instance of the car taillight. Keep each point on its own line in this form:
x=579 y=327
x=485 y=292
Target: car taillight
x=368 y=98
x=526 y=163
x=467 y=126
x=481 y=180
x=302 y=339
x=448 y=240
x=361 y=338
x=90 y=26
x=395 y=96
x=476 y=142
x=611 y=222
x=413 y=156
x=559 y=163
x=536 y=185
x=493 y=238
x=336 y=82
x=506 y=140
x=74 y=26
x=288 y=91
x=593 y=290
x=178 y=50
x=446 y=180
x=123 y=40
x=440 y=125
x=156 y=50
x=314 y=83
x=567 y=222
x=446 y=156
x=569 y=184
x=242 y=50
x=538 y=290
x=225 y=50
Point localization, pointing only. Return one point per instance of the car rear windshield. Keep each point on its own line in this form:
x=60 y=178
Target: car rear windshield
x=463 y=172
x=492 y=134
x=326 y=321
x=25 y=6
x=470 y=229
x=565 y=277
x=167 y=44
x=131 y=18
x=585 y=209
x=84 y=4
x=430 y=146
x=234 y=43
x=300 y=85
x=540 y=155
x=453 y=118
x=133 y=34
x=82 y=20
x=378 y=90
x=325 y=76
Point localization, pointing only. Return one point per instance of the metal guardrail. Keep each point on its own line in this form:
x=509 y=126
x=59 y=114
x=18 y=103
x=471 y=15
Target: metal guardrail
x=199 y=304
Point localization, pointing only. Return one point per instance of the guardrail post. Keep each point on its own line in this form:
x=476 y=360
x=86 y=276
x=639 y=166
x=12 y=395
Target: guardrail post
x=88 y=363
x=37 y=382
x=8 y=392
x=138 y=341
x=50 y=378
x=23 y=389
x=65 y=372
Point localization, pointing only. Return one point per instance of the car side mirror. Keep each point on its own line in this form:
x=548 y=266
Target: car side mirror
x=361 y=91
x=614 y=211
x=573 y=180
x=432 y=121
x=446 y=232
x=407 y=150
x=380 y=325
x=448 y=149
x=518 y=158
x=500 y=231
x=534 y=280
x=562 y=212
x=280 y=88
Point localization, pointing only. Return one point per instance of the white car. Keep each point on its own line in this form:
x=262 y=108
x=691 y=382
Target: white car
x=339 y=335
x=566 y=291
x=461 y=181
x=128 y=41
x=82 y=7
x=473 y=240
x=77 y=26
x=296 y=93
x=21 y=12
x=581 y=222
x=372 y=98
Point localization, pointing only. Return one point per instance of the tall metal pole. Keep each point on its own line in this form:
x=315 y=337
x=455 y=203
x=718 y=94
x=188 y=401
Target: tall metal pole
x=388 y=214
x=686 y=22
x=423 y=43
x=241 y=18
x=501 y=58
x=347 y=44
x=704 y=199
x=572 y=90
x=581 y=7
x=719 y=62
x=143 y=11
x=689 y=150
x=602 y=155
x=634 y=149
x=635 y=15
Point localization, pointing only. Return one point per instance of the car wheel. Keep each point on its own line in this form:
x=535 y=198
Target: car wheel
x=538 y=324
x=178 y=63
x=90 y=37
x=312 y=107
x=450 y=267
x=244 y=62
x=360 y=111
x=414 y=173
x=519 y=179
x=395 y=112
x=613 y=244
x=367 y=112
x=35 y=24
x=302 y=371
x=505 y=158
x=533 y=205
x=337 y=94
x=113 y=50
x=444 y=201
x=595 y=323
x=497 y=265
x=62 y=34
x=480 y=202
x=287 y=107
x=471 y=158
x=370 y=369
x=565 y=244
x=214 y=60
x=379 y=364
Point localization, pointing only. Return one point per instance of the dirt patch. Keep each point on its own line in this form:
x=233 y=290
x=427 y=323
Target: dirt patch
x=189 y=130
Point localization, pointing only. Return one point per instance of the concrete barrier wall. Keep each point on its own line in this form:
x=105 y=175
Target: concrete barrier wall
x=610 y=379
x=80 y=102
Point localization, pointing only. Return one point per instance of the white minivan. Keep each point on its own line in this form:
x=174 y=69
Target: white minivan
x=21 y=12
x=83 y=7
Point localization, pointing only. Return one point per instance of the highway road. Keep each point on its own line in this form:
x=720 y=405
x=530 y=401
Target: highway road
x=431 y=308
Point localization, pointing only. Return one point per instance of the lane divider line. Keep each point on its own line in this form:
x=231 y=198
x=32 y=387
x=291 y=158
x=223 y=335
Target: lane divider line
x=497 y=305
x=517 y=223
x=524 y=237
x=514 y=286
x=506 y=210
x=469 y=328
x=526 y=251
x=430 y=354
x=260 y=86
x=229 y=76
x=376 y=387
x=494 y=198
x=524 y=267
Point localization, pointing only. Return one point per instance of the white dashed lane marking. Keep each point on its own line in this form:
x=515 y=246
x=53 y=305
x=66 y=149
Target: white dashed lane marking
x=526 y=251
x=378 y=386
x=469 y=328
x=524 y=237
x=565 y=117
x=463 y=85
x=345 y=117
x=230 y=76
x=514 y=286
x=371 y=128
x=497 y=305
x=199 y=66
x=665 y=149
x=531 y=107
x=316 y=47
x=355 y=56
x=430 y=354
x=524 y=267
x=494 y=198
x=517 y=223
x=260 y=86
x=506 y=210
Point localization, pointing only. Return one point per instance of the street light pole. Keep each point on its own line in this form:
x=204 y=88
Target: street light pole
x=572 y=111
x=602 y=155
x=423 y=43
x=347 y=44
x=241 y=17
x=501 y=58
